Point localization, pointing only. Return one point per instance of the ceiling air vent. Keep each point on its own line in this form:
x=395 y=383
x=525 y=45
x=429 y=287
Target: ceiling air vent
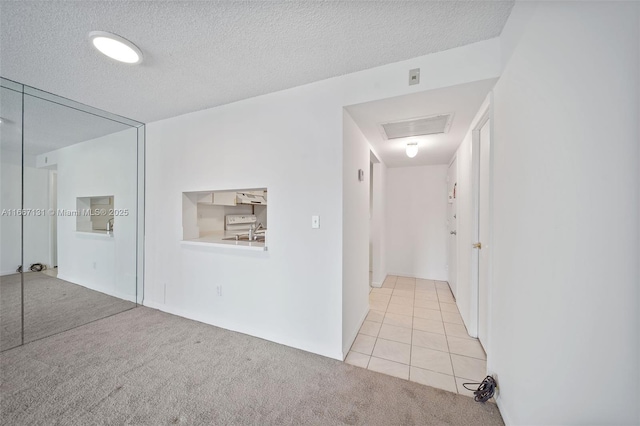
x=433 y=125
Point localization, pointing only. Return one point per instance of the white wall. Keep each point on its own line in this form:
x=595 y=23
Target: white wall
x=565 y=327
x=416 y=222
x=99 y=167
x=355 y=231
x=290 y=142
x=379 y=224
x=36 y=228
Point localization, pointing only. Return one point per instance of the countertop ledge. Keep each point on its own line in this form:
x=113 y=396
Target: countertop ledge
x=216 y=240
x=100 y=234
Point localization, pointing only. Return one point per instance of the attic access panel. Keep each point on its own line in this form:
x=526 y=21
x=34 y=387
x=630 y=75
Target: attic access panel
x=433 y=125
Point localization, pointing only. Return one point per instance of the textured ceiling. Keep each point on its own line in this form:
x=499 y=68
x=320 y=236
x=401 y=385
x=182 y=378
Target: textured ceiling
x=208 y=53
x=463 y=101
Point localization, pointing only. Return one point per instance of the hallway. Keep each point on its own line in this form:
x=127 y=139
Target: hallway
x=414 y=331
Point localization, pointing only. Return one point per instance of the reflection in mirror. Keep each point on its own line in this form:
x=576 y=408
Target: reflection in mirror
x=76 y=180
x=10 y=222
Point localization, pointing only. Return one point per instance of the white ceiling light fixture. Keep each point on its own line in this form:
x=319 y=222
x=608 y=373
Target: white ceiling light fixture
x=412 y=149
x=116 y=47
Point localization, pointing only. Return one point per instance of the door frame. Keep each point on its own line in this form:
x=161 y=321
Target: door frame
x=450 y=252
x=487 y=115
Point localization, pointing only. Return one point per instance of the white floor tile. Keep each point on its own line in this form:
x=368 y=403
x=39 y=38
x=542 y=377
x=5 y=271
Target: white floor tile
x=405 y=286
x=363 y=344
x=370 y=328
x=378 y=296
x=382 y=290
x=389 y=367
x=430 y=359
x=456 y=330
x=357 y=359
x=452 y=317
x=433 y=379
x=392 y=351
x=376 y=316
x=403 y=293
x=397 y=334
x=426 y=303
x=464 y=366
x=442 y=285
x=400 y=309
x=398 y=320
x=427 y=314
x=428 y=340
x=449 y=307
x=431 y=326
x=378 y=305
x=426 y=295
x=399 y=300
x=466 y=347
x=446 y=299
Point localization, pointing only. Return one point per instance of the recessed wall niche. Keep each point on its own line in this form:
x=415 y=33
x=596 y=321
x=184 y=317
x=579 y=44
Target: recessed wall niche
x=95 y=214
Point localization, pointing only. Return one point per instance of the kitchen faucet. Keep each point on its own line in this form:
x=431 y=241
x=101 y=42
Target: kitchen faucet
x=110 y=225
x=252 y=231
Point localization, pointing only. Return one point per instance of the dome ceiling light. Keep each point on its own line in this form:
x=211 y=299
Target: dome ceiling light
x=412 y=149
x=116 y=47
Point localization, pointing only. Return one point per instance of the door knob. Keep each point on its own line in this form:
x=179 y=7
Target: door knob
x=477 y=245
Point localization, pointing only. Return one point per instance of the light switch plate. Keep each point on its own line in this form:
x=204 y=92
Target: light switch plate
x=315 y=222
x=414 y=76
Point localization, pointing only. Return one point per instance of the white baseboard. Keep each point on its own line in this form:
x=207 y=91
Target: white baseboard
x=505 y=416
x=377 y=285
x=354 y=334
x=100 y=289
x=404 y=274
x=206 y=319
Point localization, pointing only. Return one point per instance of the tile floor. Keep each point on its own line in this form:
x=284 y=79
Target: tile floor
x=414 y=331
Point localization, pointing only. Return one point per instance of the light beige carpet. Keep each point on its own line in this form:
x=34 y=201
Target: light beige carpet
x=148 y=367
x=51 y=305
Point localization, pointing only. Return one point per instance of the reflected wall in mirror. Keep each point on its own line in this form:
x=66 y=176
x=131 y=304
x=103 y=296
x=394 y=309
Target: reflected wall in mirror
x=10 y=221
x=81 y=181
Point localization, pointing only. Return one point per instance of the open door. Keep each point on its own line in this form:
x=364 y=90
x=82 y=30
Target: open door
x=452 y=226
x=481 y=245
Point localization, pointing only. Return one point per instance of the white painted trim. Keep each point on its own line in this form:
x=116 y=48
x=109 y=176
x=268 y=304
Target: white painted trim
x=376 y=284
x=503 y=411
x=487 y=115
x=487 y=112
x=354 y=334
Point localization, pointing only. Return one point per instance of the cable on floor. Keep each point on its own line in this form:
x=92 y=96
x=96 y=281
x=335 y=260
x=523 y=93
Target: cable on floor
x=485 y=389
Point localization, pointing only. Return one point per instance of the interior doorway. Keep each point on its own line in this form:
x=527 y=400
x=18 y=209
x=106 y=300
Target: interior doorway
x=370 y=222
x=482 y=242
x=452 y=224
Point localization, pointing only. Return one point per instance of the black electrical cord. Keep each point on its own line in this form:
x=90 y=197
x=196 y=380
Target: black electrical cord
x=37 y=267
x=485 y=390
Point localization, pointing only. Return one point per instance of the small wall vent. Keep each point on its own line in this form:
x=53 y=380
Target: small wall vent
x=432 y=125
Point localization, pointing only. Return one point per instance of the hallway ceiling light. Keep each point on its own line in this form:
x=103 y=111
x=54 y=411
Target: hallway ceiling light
x=116 y=47
x=412 y=149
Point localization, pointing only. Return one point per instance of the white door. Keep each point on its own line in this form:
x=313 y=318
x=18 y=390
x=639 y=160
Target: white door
x=452 y=262
x=483 y=233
